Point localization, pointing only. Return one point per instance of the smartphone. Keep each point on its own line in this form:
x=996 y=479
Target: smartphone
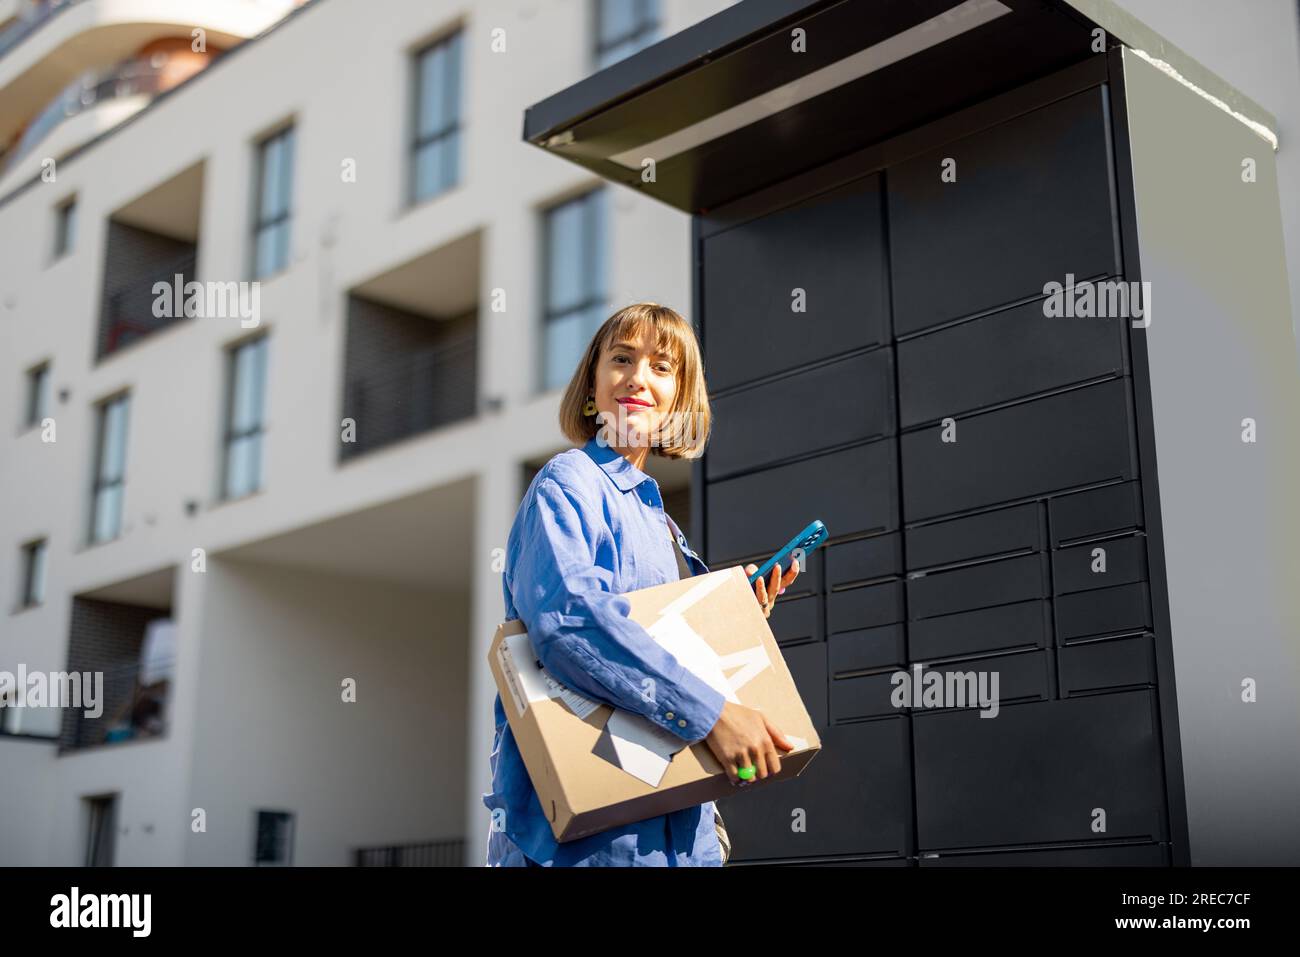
x=805 y=541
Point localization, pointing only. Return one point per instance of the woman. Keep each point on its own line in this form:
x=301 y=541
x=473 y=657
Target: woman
x=592 y=527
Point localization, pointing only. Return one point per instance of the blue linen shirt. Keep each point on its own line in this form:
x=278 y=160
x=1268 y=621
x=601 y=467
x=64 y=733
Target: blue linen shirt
x=591 y=527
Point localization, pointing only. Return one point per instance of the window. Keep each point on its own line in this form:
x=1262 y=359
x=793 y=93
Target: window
x=623 y=27
x=33 y=574
x=102 y=815
x=38 y=394
x=274 y=195
x=274 y=842
x=245 y=401
x=110 y=470
x=435 y=145
x=65 y=228
x=574 y=277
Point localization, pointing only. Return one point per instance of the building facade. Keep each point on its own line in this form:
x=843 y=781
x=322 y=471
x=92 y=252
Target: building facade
x=271 y=514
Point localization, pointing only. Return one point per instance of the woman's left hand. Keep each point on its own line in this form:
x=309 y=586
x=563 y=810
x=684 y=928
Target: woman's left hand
x=767 y=591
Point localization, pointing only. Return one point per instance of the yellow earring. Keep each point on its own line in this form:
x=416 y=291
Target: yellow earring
x=590 y=407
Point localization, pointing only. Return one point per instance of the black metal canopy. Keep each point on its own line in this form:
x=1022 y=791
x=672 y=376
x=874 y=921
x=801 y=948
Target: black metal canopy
x=742 y=99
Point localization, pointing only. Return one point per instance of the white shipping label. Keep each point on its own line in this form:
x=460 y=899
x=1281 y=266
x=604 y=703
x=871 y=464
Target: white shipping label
x=532 y=681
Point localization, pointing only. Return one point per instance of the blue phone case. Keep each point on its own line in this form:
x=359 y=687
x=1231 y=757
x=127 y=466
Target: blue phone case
x=808 y=539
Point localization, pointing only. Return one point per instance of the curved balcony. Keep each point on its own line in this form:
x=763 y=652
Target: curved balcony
x=112 y=95
x=50 y=42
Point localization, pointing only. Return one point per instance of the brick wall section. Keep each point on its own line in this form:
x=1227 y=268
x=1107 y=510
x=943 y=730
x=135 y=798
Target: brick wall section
x=104 y=636
x=134 y=260
x=405 y=373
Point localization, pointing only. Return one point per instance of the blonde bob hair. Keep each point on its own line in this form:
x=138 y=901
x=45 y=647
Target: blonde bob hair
x=690 y=417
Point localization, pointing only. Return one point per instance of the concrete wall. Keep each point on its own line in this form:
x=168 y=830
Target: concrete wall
x=1255 y=46
x=276 y=734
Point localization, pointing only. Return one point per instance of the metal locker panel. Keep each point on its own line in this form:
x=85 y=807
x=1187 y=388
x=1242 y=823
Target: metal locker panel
x=1004 y=228
x=977 y=536
x=1112 y=663
x=853 y=798
x=864 y=559
x=974 y=786
x=835 y=404
x=863 y=696
x=854 y=490
x=867 y=648
x=1046 y=445
x=1098 y=511
x=864 y=862
x=867 y=607
x=751 y=274
x=1130 y=855
x=1020 y=676
x=1106 y=611
x=1005 y=356
x=989 y=629
x=978 y=586
x=1126 y=562
x=795 y=620
x=807 y=664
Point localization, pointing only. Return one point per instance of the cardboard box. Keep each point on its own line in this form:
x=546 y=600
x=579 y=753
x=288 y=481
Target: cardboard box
x=595 y=767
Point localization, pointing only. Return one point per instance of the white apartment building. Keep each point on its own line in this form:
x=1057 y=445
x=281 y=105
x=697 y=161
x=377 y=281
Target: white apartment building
x=275 y=530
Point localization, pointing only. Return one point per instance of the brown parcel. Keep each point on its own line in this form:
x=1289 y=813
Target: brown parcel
x=575 y=760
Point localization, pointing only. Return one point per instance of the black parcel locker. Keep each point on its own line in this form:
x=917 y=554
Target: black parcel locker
x=882 y=247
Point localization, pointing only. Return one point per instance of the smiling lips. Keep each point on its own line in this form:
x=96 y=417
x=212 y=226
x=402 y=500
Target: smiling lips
x=634 y=403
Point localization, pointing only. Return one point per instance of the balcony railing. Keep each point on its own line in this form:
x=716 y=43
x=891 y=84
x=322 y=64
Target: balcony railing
x=35 y=14
x=430 y=854
x=132 y=710
x=424 y=390
x=128 y=313
x=132 y=78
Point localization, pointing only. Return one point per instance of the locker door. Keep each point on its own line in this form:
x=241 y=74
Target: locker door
x=1037 y=772
x=1030 y=203
x=797 y=285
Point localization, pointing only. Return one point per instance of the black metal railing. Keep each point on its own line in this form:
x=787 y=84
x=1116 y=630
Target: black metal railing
x=424 y=390
x=131 y=78
x=131 y=709
x=430 y=854
x=35 y=14
x=129 y=312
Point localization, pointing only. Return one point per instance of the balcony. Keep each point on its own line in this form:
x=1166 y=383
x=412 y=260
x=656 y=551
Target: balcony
x=411 y=353
x=125 y=634
x=50 y=42
x=429 y=854
x=152 y=239
x=95 y=102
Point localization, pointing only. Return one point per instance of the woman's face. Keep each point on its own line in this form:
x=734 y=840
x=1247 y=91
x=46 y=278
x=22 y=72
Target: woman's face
x=632 y=377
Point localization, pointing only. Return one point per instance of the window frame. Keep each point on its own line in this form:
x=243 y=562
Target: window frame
x=647 y=27
x=38 y=394
x=99 y=483
x=229 y=434
x=292 y=829
x=453 y=106
x=65 y=228
x=263 y=222
x=596 y=222
x=30 y=550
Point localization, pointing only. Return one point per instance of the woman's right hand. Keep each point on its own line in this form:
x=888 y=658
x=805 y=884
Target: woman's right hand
x=743 y=736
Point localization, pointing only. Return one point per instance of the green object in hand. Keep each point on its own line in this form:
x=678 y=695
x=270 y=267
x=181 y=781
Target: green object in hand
x=746 y=774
